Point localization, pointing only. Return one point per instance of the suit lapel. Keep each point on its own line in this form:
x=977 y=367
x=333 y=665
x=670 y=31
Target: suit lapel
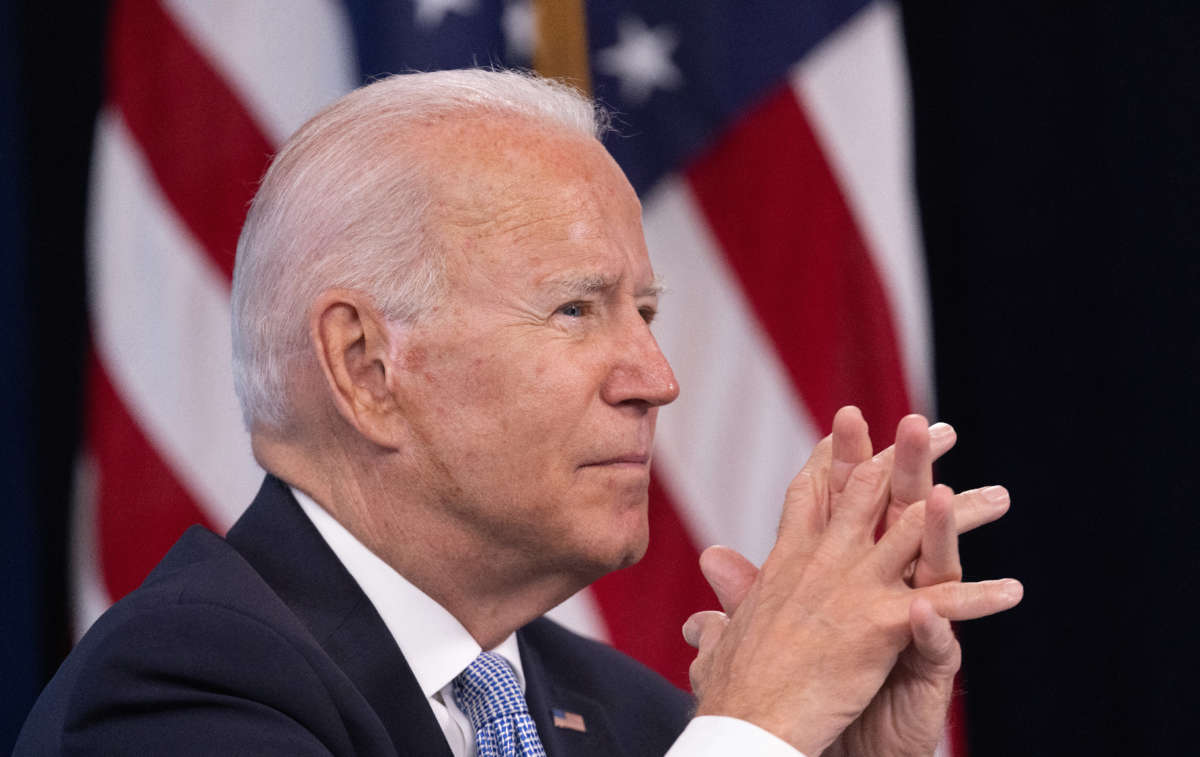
x=544 y=694
x=280 y=542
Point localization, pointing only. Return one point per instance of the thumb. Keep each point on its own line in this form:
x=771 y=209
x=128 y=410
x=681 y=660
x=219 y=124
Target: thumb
x=938 y=653
x=729 y=574
x=703 y=625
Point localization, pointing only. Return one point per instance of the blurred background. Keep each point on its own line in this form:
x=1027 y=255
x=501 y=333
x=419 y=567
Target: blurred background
x=983 y=212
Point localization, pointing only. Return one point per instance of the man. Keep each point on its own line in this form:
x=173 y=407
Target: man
x=442 y=308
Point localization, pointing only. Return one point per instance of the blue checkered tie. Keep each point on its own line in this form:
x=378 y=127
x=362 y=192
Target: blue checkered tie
x=487 y=692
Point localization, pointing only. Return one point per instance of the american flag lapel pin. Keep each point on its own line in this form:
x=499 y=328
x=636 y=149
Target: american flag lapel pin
x=569 y=720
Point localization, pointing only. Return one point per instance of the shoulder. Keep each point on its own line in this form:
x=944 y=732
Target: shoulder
x=202 y=654
x=202 y=581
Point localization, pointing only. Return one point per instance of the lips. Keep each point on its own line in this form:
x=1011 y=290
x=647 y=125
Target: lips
x=636 y=458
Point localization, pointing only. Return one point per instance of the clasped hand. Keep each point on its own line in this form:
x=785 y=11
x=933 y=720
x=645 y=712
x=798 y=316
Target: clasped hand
x=841 y=643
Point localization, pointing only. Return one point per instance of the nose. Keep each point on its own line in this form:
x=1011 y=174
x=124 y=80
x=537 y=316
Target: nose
x=640 y=373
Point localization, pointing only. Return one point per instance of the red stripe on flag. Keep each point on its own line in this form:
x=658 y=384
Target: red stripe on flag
x=645 y=605
x=205 y=151
x=141 y=508
x=956 y=724
x=776 y=209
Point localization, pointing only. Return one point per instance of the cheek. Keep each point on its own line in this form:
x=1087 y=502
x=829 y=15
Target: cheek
x=482 y=398
x=483 y=382
x=508 y=400
x=415 y=359
x=556 y=389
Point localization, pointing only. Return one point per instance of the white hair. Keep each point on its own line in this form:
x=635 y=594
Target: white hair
x=344 y=204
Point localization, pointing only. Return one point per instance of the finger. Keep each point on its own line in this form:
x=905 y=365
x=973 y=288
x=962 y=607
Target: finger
x=912 y=474
x=851 y=445
x=967 y=601
x=938 y=652
x=702 y=629
x=939 y=541
x=857 y=510
x=976 y=507
x=729 y=574
x=900 y=544
x=942 y=438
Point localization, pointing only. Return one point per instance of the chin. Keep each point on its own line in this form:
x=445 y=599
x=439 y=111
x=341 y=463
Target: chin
x=608 y=535
x=619 y=545
x=629 y=550
x=637 y=550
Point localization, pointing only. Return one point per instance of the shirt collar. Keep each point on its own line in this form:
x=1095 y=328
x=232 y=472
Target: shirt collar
x=436 y=646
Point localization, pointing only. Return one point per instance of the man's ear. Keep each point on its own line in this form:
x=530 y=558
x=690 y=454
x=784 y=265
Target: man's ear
x=353 y=344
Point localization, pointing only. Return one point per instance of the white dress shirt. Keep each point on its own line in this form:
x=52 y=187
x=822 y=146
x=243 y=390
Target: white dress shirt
x=438 y=648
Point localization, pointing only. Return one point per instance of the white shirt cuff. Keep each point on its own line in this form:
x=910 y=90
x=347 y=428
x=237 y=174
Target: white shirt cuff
x=720 y=736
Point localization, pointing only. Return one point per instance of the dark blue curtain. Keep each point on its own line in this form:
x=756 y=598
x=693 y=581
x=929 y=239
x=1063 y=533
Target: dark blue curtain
x=20 y=654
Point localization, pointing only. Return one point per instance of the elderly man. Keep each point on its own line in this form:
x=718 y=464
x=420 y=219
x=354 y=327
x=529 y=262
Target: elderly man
x=442 y=309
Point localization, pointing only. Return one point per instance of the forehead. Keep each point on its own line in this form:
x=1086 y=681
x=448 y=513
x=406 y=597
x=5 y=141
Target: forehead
x=513 y=197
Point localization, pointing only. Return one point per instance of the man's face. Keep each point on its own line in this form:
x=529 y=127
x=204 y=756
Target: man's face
x=535 y=382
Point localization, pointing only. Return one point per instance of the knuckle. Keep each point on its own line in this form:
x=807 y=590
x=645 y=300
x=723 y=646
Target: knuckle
x=713 y=629
x=869 y=480
x=930 y=577
x=868 y=473
x=914 y=516
x=824 y=447
x=772 y=567
x=885 y=622
x=696 y=674
x=800 y=486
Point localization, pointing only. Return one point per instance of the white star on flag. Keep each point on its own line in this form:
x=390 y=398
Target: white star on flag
x=641 y=59
x=431 y=13
x=520 y=29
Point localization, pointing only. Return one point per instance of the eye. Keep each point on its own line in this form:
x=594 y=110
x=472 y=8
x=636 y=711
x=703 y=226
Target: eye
x=575 y=309
x=647 y=314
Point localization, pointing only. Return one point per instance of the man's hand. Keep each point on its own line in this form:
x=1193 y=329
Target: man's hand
x=841 y=642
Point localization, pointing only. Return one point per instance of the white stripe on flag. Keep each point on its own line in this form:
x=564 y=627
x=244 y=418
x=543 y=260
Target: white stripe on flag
x=89 y=597
x=581 y=614
x=160 y=314
x=854 y=87
x=285 y=60
x=736 y=436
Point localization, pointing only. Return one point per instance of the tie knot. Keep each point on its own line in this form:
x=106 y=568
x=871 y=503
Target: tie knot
x=488 y=690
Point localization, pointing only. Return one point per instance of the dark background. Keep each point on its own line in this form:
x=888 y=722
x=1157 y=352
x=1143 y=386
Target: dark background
x=1059 y=181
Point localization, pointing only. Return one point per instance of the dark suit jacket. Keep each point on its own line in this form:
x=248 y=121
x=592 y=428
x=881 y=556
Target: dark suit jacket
x=262 y=643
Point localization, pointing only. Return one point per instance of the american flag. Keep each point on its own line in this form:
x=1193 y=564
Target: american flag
x=770 y=143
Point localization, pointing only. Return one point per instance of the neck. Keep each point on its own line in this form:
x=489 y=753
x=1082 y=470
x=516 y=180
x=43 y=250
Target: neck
x=490 y=588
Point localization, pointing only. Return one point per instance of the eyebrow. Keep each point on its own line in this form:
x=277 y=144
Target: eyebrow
x=596 y=283
x=656 y=288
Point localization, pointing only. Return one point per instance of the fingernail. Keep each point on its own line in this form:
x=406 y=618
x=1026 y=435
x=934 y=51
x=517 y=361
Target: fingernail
x=691 y=633
x=997 y=495
x=1013 y=590
x=940 y=429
